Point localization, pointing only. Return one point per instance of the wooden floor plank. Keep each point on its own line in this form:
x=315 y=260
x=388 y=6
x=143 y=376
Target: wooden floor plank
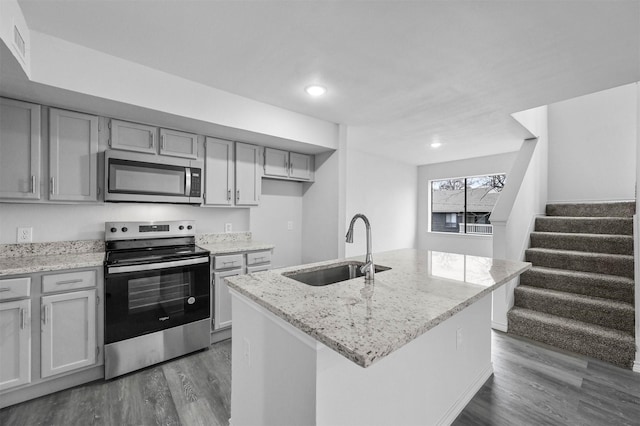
x=532 y=385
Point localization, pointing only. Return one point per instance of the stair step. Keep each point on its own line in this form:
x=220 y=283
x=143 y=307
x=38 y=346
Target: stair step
x=585 y=225
x=588 y=309
x=596 y=243
x=611 y=264
x=613 y=209
x=606 y=344
x=587 y=283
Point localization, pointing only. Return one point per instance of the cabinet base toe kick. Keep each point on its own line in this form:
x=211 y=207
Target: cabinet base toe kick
x=142 y=351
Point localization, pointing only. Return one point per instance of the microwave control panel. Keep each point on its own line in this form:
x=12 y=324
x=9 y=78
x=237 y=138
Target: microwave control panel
x=195 y=182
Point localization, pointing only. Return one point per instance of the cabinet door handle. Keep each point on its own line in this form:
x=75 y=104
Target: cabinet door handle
x=45 y=314
x=23 y=319
x=162 y=142
x=238 y=195
x=78 y=280
x=52 y=190
x=3 y=289
x=228 y=195
x=33 y=184
x=150 y=140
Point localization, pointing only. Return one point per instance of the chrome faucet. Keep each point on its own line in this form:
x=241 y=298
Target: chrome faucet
x=367 y=269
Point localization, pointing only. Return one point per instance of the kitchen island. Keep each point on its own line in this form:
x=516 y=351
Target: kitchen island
x=411 y=348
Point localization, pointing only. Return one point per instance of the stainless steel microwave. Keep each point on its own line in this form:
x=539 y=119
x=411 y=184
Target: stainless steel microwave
x=133 y=177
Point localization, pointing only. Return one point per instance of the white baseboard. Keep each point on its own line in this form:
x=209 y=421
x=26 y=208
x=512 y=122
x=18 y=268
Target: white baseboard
x=455 y=410
x=499 y=326
x=636 y=367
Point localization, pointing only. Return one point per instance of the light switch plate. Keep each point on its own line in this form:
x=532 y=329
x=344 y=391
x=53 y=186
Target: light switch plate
x=228 y=227
x=290 y=225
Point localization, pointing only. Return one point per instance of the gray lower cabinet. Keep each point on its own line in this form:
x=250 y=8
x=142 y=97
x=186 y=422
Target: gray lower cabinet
x=50 y=332
x=229 y=265
x=15 y=332
x=68 y=332
x=73 y=156
x=19 y=150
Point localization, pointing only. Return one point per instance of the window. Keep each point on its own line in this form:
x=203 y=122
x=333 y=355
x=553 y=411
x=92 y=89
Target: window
x=464 y=205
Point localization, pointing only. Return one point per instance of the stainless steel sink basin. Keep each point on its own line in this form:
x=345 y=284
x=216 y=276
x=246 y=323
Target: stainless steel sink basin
x=331 y=274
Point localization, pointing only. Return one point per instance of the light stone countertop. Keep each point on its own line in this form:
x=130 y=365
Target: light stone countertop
x=235 y=247
x=366 y=322
x=51 y=262
x=16 y=259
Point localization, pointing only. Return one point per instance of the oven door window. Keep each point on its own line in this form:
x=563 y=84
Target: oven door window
x=138 y=303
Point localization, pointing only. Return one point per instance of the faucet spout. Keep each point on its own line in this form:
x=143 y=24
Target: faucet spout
x=368 y=268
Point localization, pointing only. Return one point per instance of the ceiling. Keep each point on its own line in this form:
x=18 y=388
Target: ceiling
x=400 y=74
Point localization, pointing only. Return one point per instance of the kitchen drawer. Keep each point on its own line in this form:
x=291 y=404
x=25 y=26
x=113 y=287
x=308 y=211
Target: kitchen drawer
x=68 y=281
x=258 y=268
x=257 y=257
x=15 y=288
x=228 y=261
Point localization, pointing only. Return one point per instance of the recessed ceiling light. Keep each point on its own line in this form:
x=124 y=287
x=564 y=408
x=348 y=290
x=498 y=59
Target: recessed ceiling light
x=315 y=90
x=436 y=144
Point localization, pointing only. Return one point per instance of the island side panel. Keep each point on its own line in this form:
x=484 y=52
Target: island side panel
x=428 y=381
x=273 y=369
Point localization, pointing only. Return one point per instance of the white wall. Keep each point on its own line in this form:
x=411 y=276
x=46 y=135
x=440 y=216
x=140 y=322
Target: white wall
x=514 y=220
x=320 y=239
x=59 y=222
x=385 y=191
x=476 y=245
x=592 y=145
x=280 y=203
x=58 y=63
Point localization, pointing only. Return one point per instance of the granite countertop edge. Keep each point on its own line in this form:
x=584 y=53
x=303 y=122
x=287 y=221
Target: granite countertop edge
x=372 y=355
x=27 y=264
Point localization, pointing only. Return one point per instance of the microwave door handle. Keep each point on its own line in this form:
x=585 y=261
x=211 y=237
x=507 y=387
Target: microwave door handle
x=187 y=181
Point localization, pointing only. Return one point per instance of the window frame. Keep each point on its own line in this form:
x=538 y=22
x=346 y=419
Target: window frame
x=464 y=213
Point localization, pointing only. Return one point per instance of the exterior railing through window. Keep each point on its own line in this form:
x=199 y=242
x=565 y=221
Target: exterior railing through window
x=475 y=228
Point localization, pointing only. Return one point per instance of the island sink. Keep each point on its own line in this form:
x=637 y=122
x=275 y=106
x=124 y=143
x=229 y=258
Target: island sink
x=332 y=274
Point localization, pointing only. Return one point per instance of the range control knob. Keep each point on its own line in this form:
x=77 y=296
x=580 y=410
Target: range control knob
x=181 y=227
x=114 y=229
x=189 y=227
x=124 y=229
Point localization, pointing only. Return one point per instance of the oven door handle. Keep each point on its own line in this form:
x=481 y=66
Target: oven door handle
x=153 y=266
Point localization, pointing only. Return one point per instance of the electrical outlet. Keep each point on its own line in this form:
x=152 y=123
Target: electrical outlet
x=246 y=351
x=290 y=225
x=25 y=235
x=228 y=227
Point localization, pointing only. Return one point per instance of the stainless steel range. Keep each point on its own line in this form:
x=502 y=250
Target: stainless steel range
x=157 y=294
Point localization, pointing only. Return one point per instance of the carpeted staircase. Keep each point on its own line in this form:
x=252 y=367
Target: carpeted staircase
x=579 y=294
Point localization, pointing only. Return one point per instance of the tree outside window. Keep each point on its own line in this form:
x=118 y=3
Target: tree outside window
x=464 y=205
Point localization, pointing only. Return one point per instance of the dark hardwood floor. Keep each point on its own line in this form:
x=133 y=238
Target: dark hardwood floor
x=532 y=385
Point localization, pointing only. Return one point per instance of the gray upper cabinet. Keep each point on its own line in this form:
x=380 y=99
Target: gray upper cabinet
x=287 y=165
x=300 y=166
x=219 y=172
x=276 y=162
x=178 y=144
x=248 y=174
x=19 y=150
x=133 y=137
x=73 y=156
